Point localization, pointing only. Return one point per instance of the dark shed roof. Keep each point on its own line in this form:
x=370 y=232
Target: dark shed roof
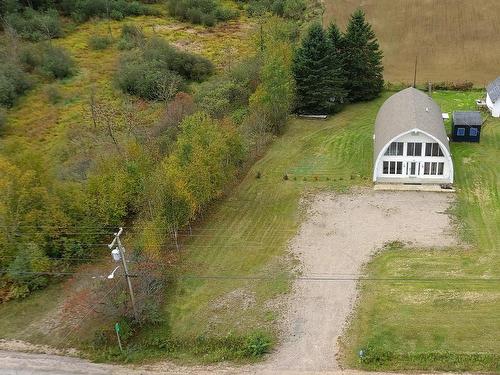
x=493 y=89
x=467 y=118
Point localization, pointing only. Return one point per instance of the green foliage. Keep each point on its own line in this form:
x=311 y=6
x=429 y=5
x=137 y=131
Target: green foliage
x=34 y=25
x=362 y=59
x=100 y=42
x=257 y=344
x=157 y=71
x=13 y=82
x=318 y=74
x=227 y=93
x=56 y=62
x=274 y=97
x=205 y=12
x=53 y=94
x=290 y=9
x=131 y=37
x=22 y=271
x=82 y=10
x=3 y=120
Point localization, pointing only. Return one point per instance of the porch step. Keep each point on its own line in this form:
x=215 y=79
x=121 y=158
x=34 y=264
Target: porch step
x=413 y=187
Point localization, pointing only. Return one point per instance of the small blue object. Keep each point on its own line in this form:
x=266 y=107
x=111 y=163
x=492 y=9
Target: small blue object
x=361 y=353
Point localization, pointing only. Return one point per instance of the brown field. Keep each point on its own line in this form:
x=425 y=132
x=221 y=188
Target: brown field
x=455 y=40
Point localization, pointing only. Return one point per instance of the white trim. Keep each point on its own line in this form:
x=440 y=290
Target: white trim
x=445 y=150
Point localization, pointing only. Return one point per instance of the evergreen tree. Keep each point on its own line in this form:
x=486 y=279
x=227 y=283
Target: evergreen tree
x=336 y=40
x=318 y=74
x=362 y=59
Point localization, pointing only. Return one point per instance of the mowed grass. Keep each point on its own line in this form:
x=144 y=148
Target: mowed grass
x=216 y=293
x=454 y=40
x=450 y=322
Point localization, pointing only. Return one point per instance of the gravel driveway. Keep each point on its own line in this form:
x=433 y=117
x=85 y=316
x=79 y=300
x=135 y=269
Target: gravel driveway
x=337 y=238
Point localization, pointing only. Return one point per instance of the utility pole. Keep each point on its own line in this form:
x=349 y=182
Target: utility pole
x=121 y=251
x=415 y=73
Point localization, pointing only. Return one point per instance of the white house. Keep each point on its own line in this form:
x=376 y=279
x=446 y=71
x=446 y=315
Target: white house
x=493 y=97
x=410 y=142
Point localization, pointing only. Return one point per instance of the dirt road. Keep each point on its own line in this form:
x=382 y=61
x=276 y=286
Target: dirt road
x=337 y=238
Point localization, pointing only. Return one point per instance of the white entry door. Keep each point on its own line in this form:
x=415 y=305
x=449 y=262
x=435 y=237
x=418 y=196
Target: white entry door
x=412 y=168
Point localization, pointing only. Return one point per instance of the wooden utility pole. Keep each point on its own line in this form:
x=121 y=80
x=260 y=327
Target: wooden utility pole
x=121 y=249
x=415 y=73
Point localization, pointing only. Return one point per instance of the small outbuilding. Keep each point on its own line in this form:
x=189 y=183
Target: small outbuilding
x=466 y=126
x=493 y=97
x=410 y=141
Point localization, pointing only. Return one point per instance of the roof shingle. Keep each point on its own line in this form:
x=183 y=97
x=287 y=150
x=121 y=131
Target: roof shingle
x=467 y=118
x=493 y=90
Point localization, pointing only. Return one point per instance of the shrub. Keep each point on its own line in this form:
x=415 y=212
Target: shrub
x=82 y=10
x=454 y=86
x=257 y=344
x=13 y=83
x=131 y=37
x=29 y=57
x=3 y=119
x=145 y=79
x=294 y=9
x=56 y=62
x=99 y=42
x=206 y=12
x=30 y=258
x=35 y=26
x=53 y=94
x=157 y=71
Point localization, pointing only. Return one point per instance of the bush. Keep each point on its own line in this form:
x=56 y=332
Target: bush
x=83 y=10
x=205 y=12
x=53 y=94
x=257 y=344
x=13 y=83
x=3 y=119
x=157 y=71
x=30 y=258
x=454 y=86
x=145 y=79
x=30 y=58
x=131 y=37
x=291 y=9
x=35 y=26
x=99 y=42
x=56 y=62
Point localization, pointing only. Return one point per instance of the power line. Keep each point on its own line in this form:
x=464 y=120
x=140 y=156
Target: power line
x=327 y=277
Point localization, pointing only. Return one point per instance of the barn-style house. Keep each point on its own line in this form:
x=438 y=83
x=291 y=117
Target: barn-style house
x=410 y=141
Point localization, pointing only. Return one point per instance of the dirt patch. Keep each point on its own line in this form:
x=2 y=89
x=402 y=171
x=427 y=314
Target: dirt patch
x=340 y=234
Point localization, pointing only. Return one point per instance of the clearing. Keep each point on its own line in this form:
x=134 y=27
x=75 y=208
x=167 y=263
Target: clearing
x=454 y=40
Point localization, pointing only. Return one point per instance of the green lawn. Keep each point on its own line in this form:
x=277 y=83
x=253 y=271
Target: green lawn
x=451 y=324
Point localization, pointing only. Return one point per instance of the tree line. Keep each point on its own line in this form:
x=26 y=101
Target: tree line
x=332 y=68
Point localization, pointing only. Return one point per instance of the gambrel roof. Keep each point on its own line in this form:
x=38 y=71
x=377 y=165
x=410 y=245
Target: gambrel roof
x=467 y=118
x=493 y=90
x=404 y=111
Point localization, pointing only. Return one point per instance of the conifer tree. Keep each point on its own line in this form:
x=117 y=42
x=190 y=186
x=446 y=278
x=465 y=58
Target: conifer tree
x=318 y=75
x=362 y=59
x=336 y=40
